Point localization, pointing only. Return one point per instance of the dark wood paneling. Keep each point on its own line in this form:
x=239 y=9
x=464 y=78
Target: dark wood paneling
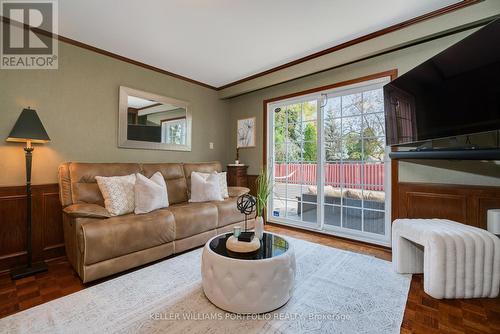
x=12 y=231
x=237 y=176
x=463 y=203
x=47 y=234
x=394 y=187
x=429 y=205
x=252 y=184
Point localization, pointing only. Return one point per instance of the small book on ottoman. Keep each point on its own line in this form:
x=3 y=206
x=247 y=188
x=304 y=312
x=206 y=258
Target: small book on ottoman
x=246 y=236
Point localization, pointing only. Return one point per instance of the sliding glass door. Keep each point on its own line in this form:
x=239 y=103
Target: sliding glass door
x=295 y=159
x=329 y=161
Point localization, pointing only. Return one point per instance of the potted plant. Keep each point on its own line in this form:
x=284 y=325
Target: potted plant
x=264 y=188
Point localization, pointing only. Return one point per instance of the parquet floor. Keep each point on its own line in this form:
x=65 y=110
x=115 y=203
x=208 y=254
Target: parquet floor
x=423 y=314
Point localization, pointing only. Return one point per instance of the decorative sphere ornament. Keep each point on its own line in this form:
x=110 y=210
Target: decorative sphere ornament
x=246 y=204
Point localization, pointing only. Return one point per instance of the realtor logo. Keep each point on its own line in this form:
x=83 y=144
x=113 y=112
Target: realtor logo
x=27 y=30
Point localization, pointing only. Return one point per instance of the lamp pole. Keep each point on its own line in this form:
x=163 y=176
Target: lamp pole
x=28 y=149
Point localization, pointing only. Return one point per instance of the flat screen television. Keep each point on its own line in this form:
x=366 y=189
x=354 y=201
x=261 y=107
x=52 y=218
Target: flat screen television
x=456 y=92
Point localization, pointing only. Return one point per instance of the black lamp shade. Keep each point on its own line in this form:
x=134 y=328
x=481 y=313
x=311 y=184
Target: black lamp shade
x=28 y=127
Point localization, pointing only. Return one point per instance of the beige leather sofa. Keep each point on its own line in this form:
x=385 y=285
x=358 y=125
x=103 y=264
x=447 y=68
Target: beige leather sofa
x=98 y=245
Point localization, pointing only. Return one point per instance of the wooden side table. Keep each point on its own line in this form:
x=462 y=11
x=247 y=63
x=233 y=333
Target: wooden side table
x=237 y=175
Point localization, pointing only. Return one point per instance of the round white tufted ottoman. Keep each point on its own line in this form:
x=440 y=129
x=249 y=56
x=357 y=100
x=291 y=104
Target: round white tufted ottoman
x=253 y=283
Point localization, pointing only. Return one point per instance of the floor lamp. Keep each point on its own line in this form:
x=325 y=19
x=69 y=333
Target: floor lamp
x=28 y=129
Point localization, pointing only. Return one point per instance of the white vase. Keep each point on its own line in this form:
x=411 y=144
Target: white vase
x=259 y=227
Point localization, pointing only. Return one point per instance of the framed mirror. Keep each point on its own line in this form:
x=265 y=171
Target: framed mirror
x=153 y=122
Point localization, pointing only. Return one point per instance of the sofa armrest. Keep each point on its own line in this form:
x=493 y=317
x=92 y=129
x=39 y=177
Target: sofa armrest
x=85 y=210
x=237 y=191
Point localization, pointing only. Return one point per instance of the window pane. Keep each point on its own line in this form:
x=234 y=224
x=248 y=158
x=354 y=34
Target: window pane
x=352 y=104
x=309 y=193
x=309 y=111
x=309 y=151
x=280 y=172
x=309 y=212
x=351 y=138
x=294 y=113
x=333 y=140
x=294 y=132
x=292 y=210
x=333 y=108
x=309 y=174
x=293 y=151
x=373 y=125
x=351 y=125
x=333 y=194
x=279 y=152
x=332 y=215
x=351 y=218
x=351 y=173
x=374 y=222
x=289 y=191
x=373 y=199
x=309 y=131
x=332 y=173
x=374 y=149
x=373 y=101
x=373 y=176
x=278 y=208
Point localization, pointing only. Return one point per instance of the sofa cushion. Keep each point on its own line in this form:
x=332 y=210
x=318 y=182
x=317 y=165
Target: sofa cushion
x=173 y=173
x=84 y=187
x=193 y=218
x=202 y=167
x=228 y=212
x=109 y=238
x=64 y=184
x=85 y=210
x=237 y=191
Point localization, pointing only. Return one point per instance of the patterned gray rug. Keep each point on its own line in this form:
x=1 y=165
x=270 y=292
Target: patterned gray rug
x=335 y=292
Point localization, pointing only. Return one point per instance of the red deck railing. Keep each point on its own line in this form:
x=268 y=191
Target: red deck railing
x=350 y=175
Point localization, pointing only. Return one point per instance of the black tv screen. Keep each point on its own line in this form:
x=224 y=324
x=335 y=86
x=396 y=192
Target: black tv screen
x=457 y=92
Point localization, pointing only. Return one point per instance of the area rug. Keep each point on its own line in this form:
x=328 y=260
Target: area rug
x=335 y=292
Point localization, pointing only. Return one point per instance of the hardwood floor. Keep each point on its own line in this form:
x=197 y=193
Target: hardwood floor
x=423 y=314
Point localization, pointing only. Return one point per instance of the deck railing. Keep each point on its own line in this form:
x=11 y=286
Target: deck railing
x=349 y=175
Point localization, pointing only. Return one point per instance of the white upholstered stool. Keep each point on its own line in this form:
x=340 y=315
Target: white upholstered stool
x=458 y=261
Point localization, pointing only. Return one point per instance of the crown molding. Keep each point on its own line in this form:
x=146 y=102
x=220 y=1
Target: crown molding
x=378 y=33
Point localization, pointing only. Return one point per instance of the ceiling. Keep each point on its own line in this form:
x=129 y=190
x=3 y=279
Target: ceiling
x=221 y=41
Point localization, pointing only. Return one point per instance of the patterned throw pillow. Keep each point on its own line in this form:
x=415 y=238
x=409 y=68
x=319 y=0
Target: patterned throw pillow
x=222 y=182
x=118 y=193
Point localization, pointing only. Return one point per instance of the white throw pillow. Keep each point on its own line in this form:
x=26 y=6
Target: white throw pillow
x=204 y=190
x=222 y=182
x=150 y=194
x=118 y=193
